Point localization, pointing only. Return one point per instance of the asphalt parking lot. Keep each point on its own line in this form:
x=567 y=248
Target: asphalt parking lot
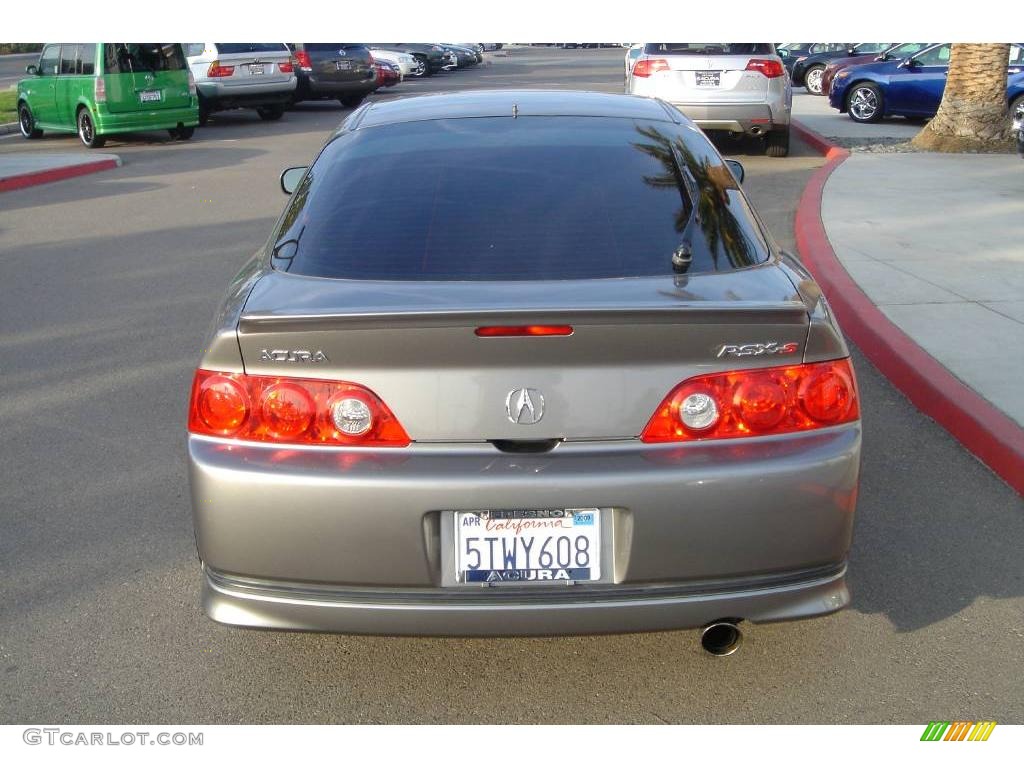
x=107 y=285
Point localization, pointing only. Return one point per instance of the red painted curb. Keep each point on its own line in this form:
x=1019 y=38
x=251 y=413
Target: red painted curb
x=983 y=429
x=55 y=174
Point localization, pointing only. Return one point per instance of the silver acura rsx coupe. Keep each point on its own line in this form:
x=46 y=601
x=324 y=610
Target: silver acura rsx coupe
x=522 y=363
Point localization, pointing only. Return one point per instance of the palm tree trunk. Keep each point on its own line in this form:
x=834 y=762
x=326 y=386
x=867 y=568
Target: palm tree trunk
x=973 y=115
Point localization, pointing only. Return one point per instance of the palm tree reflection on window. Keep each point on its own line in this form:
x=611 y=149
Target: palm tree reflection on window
x=710 y=221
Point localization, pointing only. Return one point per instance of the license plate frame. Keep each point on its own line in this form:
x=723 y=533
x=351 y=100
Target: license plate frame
x=708 y=78
x=555 y=531
x=257 y=70
x=150 y=97
x=343 y=66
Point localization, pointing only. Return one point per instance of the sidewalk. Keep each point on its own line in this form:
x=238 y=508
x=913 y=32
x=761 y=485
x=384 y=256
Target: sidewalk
x=922 y=257
x=26 y=169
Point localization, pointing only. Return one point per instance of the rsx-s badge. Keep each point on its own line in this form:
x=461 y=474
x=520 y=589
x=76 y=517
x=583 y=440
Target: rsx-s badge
x=753 y=350
x=293 y=356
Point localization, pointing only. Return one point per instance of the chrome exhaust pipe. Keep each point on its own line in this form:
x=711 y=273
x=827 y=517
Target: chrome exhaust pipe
x=756 y=130
x=721 y=638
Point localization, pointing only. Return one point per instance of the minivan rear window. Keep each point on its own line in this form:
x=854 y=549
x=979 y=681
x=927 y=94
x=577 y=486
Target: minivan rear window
x=528 y=198
x=251 y=47
x=128 y=58
x=711 y=49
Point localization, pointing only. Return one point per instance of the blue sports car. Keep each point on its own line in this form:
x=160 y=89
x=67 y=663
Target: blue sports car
x=911 y=87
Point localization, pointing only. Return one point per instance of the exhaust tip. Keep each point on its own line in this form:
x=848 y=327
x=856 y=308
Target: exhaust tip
x=756 y=130
x=721 y=638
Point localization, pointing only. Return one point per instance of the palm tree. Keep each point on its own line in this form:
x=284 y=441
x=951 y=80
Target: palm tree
x=973 y=113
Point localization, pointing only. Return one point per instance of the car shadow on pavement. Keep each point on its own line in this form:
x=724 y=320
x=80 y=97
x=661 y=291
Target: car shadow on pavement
x=936 y=529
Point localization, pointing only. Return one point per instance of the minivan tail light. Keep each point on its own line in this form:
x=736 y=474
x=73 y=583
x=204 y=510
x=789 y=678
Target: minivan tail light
x=216 y=70
x=100 y=90
x=647 y=67
x=761 y=401
x=303 y=60
x=767 y=67
x=279 y=409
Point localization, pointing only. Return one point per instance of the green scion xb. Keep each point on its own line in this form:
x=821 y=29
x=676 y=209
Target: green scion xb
x=97 y=89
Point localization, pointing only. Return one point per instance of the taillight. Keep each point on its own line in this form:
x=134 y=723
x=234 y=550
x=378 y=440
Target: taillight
x=767 y=67
x=524 y=330
x=371 y=57
x=191 y=83
x=216 y=70
x=99 y=93
x=276 y=409
x=647 y=67
x=286 y=67
x=303 y=60
x=763 y=401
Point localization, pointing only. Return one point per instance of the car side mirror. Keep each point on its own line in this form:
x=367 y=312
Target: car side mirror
x=737 y=169
x=291 y=177
x=908 y=63
x=31 y=69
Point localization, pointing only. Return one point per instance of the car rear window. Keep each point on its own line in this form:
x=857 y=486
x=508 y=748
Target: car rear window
x=126 y=58
x=530 y=198
x=331 y=47
x=711 y=49
x=251 y=47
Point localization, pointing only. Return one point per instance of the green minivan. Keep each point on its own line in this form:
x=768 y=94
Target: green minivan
x=97 y=89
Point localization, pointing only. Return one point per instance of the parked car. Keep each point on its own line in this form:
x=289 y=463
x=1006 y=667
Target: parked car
x=632 y=54
x=491 y=46
x=791 y=53
x=387 y=74
x=740 y=88
x=426 y=393
x=464 y=57
x=257 y=76
x=807 y=70
x=911 y=87
x=407 y=64
x=342 y=71
x=900 y=51
x=475 y=49
x=100 y=89
x=431 y=55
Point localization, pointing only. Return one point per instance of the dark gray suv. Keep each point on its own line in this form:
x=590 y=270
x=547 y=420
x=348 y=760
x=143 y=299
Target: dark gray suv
x=342 y=71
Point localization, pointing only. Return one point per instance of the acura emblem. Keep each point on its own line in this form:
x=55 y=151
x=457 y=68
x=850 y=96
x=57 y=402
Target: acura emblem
x=524 y=406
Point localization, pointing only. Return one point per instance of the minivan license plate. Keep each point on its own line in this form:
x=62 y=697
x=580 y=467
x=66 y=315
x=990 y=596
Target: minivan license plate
x=528 y=545
x=708 y=78
x=145 y=96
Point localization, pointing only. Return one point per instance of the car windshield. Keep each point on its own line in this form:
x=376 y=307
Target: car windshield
x=251 y=47
x=711 y=49
x=125 y=58
x=532 y=198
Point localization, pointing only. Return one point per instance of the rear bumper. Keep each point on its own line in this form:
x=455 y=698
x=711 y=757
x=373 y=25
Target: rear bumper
x=312 y=85
x=268 y=605
x=246 y=95
x=753 y=118
x=737 y=515
x=147 y=120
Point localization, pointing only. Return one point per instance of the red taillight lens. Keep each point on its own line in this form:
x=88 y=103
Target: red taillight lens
x=303 y=60
x=286 y=67
x=762 y=401
x=647 y=67
x=100 y=90
x=275 y=409
x=767 y=67
x=524 y=330
x=216 y=70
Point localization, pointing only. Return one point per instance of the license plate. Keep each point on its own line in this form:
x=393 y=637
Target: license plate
x=145 y=96
x=343 y=65
x=708 y=78
x=257 y=69
x=527 y=545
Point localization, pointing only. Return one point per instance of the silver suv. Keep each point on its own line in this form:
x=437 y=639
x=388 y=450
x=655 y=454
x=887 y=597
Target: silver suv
x=260 y=76
x=736 y=87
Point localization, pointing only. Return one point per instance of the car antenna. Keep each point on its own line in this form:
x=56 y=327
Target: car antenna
x=515 y=110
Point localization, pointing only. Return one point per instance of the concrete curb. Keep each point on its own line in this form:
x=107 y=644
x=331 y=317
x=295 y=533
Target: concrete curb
x=988 y=433
x=23 y=180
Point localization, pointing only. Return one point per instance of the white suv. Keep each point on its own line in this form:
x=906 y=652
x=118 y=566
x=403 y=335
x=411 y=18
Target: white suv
x=231 y=75
x=735 y=87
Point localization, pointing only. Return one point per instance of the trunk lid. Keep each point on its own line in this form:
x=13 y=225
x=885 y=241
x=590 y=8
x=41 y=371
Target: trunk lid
x=340 y=62
x=143 y=77
x=414 y=345
x=254 y=63
x=719 y=79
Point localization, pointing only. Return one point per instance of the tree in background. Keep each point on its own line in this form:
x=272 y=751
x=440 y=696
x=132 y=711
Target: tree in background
x=972 y=115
